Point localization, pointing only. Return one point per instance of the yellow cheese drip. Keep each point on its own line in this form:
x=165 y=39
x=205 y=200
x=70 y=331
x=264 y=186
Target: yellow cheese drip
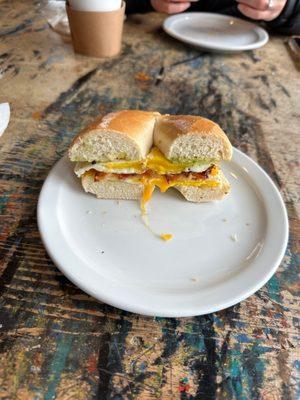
x=159 y=164
x=166 y=236
x=162 y=183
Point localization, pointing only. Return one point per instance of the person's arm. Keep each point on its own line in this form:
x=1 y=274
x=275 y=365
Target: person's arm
x=286 y=23
x=138 y=6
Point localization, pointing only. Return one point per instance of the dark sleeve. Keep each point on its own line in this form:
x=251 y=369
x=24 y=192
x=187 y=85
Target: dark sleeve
x=288 y=22
x=138 y=6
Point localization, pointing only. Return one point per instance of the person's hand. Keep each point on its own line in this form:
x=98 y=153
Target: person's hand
x=170 y=6
x=265 y=10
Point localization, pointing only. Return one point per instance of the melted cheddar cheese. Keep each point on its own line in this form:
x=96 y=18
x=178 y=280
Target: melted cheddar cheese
x=155 y=162
x=162 y=183
x=158 y=163
x=155 y=170
x=136 y=165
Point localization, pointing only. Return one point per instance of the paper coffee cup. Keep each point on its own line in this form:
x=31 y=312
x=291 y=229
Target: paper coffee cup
x=95 y=5
x=96 y=34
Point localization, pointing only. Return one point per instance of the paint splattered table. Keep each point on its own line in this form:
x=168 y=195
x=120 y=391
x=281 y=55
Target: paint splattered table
x=58 y=342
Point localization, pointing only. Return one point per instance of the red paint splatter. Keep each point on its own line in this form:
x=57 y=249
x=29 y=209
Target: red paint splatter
x=284 y=323
x=141 y=76
x=38 y=359
x=184 y=386
x=92 y=364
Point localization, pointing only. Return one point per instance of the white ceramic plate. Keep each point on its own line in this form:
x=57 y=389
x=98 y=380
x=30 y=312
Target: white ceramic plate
x=104 y=248
x=215 y=32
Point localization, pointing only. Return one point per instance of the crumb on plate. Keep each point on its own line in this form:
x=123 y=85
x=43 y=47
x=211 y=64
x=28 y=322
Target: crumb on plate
x=234 y=237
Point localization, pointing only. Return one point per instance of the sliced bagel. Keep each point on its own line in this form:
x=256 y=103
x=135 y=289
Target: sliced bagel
x=187 y=137
x=122 y=135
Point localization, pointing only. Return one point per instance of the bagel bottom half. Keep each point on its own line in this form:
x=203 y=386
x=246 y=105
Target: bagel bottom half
x=121 y=190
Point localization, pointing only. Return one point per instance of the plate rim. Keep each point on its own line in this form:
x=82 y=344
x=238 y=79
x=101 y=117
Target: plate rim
x=262 y=32
x=136 y=308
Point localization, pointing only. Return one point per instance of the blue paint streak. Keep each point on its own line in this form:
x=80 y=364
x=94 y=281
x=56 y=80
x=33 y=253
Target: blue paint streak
x=278 y=316
x=143 y=366
x=296 y=365
x=274 y=289
x=57 y=365
x=254 y=368
x=243 y=338
x=52 y=60
x=234 y=370
x=235 y=374
x=16 y=29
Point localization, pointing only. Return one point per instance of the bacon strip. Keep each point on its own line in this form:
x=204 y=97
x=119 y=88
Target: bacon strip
x=99 y=176
x=195 y=176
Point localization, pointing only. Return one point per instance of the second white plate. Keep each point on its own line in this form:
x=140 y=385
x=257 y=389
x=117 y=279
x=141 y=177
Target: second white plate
x=215 y=32
x=222 y=252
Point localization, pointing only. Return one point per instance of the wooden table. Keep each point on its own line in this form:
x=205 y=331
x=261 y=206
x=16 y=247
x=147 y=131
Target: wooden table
x=58 y=342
